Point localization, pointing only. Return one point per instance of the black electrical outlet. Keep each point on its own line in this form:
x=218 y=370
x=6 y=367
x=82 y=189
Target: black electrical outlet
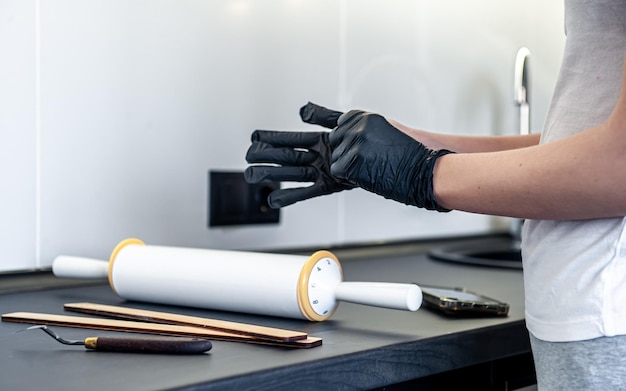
x=233 y=201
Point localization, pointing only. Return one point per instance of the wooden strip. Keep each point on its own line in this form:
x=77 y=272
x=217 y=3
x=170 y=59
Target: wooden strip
x=117 y=312
x=147 y=328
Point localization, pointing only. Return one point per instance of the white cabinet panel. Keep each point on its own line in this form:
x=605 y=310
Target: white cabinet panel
x=18 y=135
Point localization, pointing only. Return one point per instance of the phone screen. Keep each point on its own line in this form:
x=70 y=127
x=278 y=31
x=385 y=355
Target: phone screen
x=459 y=301
x=454 y=294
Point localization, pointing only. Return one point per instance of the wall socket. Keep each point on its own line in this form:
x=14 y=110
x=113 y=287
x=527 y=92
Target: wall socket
x=233 y=201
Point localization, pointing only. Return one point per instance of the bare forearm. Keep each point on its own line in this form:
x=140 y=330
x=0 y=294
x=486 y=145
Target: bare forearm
x=474 y=144
x=581 y=177
x=468 y=144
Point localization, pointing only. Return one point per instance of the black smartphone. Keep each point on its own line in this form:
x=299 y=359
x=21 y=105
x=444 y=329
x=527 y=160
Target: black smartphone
x=460 y=301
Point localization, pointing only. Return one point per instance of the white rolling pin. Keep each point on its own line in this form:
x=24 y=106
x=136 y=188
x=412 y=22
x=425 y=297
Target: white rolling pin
x=291 y=286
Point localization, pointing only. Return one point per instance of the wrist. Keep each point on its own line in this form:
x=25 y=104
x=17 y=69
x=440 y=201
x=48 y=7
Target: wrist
x=438 y=182
x=422 y=193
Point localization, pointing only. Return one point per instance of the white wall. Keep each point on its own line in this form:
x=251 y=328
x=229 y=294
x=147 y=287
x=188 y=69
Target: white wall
x=113 y=111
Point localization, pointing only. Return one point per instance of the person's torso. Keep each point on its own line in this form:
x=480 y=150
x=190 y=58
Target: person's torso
x=575 y=270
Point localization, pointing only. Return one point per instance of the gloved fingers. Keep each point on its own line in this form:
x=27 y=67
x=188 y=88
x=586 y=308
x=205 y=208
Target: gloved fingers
x=346 y=146
x=349 y=115
x=343 y=166
x=259 y=174
x=284 y=197
x=319 y=115
x=346 y=122
x=345 y=140
x=287 y=139
x=261 y=152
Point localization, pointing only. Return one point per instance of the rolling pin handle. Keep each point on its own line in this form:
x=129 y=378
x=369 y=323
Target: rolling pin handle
x=381 y=294
x=67 y=266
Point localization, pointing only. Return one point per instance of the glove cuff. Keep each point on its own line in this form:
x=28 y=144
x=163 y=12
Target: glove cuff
x=424 y=194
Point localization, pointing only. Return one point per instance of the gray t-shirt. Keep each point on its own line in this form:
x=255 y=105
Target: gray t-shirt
x=575 y=271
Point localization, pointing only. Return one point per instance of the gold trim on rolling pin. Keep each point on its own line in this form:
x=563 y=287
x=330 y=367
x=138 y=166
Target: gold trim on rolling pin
x=114 y=254
x=304 y=302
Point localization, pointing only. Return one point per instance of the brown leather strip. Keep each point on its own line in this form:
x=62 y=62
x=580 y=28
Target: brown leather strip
x=148 y=328
x=118 y=312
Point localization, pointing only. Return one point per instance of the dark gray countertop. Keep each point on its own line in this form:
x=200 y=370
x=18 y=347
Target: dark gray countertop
x=363 y=347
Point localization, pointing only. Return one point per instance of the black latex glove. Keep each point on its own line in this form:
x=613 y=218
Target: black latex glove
x=370 y=152
x=300 y=156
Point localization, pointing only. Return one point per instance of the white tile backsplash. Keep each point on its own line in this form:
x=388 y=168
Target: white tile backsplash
x=18 y=140
x=113 y=112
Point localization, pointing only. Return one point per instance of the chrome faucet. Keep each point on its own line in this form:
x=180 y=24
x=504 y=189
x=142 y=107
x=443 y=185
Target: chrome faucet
x=521 y=91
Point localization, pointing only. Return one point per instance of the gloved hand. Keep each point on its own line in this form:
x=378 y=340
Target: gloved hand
x=370 y=152
x=301 y=156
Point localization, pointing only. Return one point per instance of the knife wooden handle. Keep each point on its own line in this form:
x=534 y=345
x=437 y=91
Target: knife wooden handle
x=163 y=345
